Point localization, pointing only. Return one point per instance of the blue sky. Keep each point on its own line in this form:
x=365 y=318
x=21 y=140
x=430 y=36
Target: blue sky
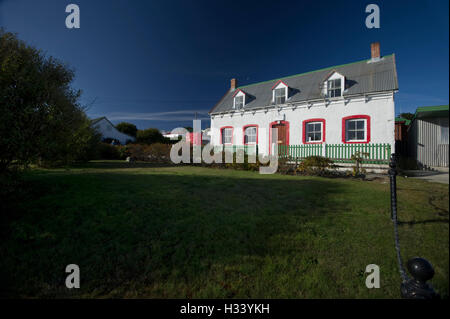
x=156 y=63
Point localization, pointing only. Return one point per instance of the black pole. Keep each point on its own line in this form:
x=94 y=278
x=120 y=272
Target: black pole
x=393 y=182
x=420 y=268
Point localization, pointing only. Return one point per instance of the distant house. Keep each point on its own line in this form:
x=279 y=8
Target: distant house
x=109 y=131
x=428 y=136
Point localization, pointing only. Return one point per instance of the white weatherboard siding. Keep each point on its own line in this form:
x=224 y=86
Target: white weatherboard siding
x=380 y=108
x=107 y=130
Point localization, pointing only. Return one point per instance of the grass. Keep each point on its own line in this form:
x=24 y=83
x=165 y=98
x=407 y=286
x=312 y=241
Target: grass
x=192 y=232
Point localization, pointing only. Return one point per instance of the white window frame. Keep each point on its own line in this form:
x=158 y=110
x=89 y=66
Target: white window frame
x=331 y=79
x=239 y=95
x=315 y=132
x=225 y=136
x=247 y=136
x=279 y=86
x=334 y=88
x=347 y=129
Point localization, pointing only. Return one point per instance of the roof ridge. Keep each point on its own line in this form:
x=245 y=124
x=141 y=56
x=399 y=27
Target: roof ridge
x=304 y=73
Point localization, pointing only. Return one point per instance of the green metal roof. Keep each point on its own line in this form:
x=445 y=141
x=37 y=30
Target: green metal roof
x=431 y=111
x=402 y=119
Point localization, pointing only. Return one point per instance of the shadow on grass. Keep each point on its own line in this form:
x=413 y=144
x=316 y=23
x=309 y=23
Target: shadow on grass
x=113 y=164
x=428 y=221
x=168 y=235
x=149 y=228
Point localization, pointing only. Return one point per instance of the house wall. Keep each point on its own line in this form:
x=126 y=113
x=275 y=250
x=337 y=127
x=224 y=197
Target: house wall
x=380 y=108
x=427 y=144
x=108 y=131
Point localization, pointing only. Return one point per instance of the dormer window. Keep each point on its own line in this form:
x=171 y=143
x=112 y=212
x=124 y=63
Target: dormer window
x=239 y=100
x=333 y=85
x=334 y=88
x=280 y=96
x=280 y=92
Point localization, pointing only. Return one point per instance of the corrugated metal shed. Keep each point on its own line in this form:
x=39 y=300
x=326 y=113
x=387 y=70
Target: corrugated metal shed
x=428 y=137
x=361 y=77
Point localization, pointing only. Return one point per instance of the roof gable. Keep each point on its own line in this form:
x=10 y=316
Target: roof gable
x=278 y=82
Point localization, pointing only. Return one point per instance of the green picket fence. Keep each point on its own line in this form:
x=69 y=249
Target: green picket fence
x=292 y=152
x=375 y=153
x=340 y=153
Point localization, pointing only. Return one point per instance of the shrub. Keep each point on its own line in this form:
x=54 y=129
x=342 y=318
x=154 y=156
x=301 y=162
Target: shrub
x=127 y=128
x=41 y=119
x=157 y=152
x=108 y=152
x=358 y=157
x=124 y=151
x=149 y=136
x=315 y=165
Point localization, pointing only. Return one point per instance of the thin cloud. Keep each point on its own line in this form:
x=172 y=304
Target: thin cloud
x=182 y=115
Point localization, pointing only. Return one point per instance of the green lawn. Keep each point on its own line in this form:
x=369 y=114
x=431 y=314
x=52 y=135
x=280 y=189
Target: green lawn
x=192 y=232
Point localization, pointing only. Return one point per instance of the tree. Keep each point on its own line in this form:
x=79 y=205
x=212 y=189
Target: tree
x=408 y=116
x=149 y=136
x=41 y=119
x=127 y=128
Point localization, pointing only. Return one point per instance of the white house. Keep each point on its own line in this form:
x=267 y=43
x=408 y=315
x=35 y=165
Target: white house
x=108 y=130
x=341 y=108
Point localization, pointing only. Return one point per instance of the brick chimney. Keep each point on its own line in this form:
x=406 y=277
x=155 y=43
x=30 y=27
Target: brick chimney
x=233 y=84
x=375 y=50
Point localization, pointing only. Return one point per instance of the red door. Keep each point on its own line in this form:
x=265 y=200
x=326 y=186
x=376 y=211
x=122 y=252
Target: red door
x=282 y=134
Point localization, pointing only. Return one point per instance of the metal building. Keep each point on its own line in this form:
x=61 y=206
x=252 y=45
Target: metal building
x=428 y=136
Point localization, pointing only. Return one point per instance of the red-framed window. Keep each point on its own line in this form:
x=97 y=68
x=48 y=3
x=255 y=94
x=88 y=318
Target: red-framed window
x=250 y=134
x=356 y=129
x=314 y=131
x=226 y=135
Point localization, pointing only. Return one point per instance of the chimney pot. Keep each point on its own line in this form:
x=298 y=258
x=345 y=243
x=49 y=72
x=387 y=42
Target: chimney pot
x=233 y=84
x=375 y=50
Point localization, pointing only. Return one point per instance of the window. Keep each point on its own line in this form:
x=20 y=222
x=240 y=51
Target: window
x=227 y=135
x=280 y=95
x=334 y=88
x=250 y=135
x=239 y=102
x=313 y=131
x=356 y=129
